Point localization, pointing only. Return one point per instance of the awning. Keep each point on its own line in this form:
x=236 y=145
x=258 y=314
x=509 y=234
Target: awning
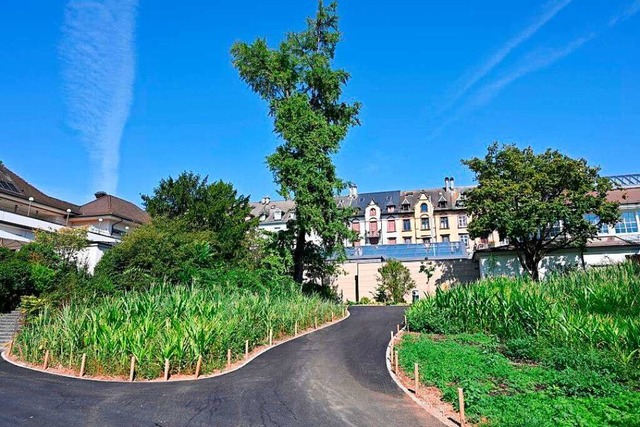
x=12 y=241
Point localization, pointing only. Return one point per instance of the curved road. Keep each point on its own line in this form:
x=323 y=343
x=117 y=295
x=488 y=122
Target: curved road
x=333 y=377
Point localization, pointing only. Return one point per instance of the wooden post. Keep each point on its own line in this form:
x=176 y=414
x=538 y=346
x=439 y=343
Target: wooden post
x=246 y=349
x=10 y=348
x=295 y=329
x=45 y=365
x=229 y=358
x=198 y=366
x=396 y=362
x=271 y=337
x=132 y=369
x=461 y=403
x=83 y=364
x=315 y=322
x=397 y=329
x=166 y=369
x=416 y=374
x=332 y=316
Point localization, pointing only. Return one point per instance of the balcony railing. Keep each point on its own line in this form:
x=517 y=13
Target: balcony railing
x=373 y=233
x=410 y=251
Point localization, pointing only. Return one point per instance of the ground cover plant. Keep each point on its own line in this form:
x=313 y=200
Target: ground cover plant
x=219 y=310
x=502 y=393
x=576 y=337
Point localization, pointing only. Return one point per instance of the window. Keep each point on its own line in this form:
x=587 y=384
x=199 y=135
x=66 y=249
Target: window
x=391 y=225
x=628 y=223
x=426 y=240
x=355 y=226
x=391 y=208
x=442 y=204
x=424 y=223
x=373 y=226
x=407 y=240
x=392 y=240
x=372 y=212
x=444 y=222
x=462 y=221
x=464 y=238
x=405 y=207
x=556 y=229
x=445 y=238
x=594 y=219
x=424 y=208
x=263 y=217
x=406 y=225
x=277 y=215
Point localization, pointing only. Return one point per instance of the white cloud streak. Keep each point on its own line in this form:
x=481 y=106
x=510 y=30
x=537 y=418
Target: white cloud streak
x=534 y=61
x=550 y=10
x=98 y=66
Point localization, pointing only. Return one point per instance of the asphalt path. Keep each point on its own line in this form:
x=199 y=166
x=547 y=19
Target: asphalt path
x=333 y=377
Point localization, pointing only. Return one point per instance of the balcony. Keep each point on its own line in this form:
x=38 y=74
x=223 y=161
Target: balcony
x=373 y=234
x=412 y=251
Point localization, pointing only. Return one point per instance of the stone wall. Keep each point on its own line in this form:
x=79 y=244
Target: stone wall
x=446 y=272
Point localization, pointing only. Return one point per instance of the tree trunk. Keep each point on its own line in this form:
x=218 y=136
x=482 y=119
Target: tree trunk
x=298 y=256
x=530 y=264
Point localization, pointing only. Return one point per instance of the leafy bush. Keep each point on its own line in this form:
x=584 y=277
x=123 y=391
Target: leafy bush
x=15 y=279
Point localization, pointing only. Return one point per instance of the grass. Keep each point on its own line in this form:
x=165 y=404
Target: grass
x=598 y=308
x=179 y=323
x=503 y=393
x=565 y=351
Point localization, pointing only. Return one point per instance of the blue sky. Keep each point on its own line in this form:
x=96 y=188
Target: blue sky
x=438 y=82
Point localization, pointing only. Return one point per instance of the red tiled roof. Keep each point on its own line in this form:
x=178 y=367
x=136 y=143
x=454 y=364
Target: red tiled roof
x=26 y=190
x=625 y=196
x=112 y=205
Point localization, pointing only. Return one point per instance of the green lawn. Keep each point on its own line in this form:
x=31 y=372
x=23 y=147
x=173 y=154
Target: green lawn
x=563 y=389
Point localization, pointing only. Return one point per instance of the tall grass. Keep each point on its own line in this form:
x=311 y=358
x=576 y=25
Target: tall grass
x=597 y=308
x=179 y=323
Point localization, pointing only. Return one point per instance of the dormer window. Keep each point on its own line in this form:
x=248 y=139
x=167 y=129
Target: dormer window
x=424 y=208
x=277 y=215
x=442 y=204
x=391 y=208
x=372 y=212
x=405 y=207
x=263 y=217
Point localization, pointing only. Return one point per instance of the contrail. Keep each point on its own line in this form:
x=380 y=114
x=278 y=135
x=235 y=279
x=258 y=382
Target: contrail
x=550 y=10
x=98 y=68
x=534 y=61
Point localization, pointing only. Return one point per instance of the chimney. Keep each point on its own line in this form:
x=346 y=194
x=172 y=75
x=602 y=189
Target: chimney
x=353 y=190
x=100 y=194
x=452 y=184
x=446 y=183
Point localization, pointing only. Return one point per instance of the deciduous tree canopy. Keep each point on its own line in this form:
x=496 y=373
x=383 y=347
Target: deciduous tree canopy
x=540 y=202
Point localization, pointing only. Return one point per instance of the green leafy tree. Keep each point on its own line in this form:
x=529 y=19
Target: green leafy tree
x=539 y=202
x=394 y=282
x=193 y=204
x=303 y=92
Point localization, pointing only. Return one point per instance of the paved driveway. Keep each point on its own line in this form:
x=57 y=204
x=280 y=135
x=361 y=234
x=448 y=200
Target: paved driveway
x=333 y=377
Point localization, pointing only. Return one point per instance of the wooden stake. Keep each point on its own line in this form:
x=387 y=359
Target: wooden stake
x=132 y=369
x=198 y=366
x=229 y=358
x=246 y=349
x=397 y=329
x=416 y=380
x=405 y=320
x=83 y=364
x=166 y=369
x=295 y=329
x=271 y=337
x=45 y=365
x=461 y=403
x=315 y=323
x=396 y=362
x=332 y=316
x=10 y=347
